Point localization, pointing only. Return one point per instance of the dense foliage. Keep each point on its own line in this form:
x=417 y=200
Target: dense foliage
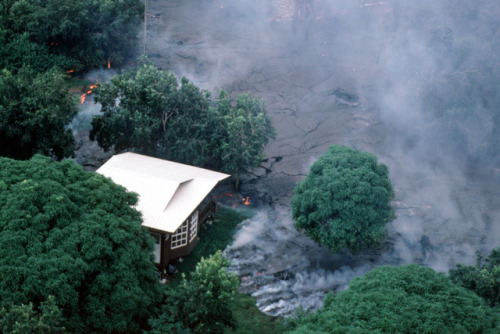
x=146 y=110
x=240 y=133
x=344 y=200
x=79 y=35
x=483 y=278
x=406 y=299
x=73 y=235
x=35 y=110
x=200 y=304
x=23 y=319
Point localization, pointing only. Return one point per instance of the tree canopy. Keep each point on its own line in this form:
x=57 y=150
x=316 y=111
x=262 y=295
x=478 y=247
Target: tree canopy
x=200 y=304
x=241 y=133
x=406 y=299
x=146 y=110
x=70 y=239
x=24 y=319
x=35 y=110
x=483 y=278
x=344 y=200
x=76 y=35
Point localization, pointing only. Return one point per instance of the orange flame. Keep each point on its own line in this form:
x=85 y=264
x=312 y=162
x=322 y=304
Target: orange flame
x=70 y=73
x=89 y=91
x=246 y=201
x=91 y=88
x=109 y=64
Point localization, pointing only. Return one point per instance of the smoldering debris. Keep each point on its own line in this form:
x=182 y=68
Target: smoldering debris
x=283 y=268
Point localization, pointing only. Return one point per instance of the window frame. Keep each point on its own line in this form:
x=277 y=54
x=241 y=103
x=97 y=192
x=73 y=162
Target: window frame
x=193 y=227
x=180 y=237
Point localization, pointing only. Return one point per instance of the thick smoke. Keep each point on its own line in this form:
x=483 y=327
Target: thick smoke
x=415 y=83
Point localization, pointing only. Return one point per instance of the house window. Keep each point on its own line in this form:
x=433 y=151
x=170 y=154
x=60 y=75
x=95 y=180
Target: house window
x=157 y=249
x=193 y=228
x=179 y=238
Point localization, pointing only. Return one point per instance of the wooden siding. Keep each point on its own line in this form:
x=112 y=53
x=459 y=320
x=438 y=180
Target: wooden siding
x=167 y=254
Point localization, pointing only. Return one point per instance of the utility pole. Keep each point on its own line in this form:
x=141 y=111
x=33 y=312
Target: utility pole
x=303 y=16
x=145 y=25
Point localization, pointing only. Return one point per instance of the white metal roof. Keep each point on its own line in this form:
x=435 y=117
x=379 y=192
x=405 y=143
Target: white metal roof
x=168 y=191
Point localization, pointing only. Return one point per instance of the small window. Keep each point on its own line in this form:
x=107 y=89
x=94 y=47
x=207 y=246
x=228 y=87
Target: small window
x=193 y=228
x=179 y=238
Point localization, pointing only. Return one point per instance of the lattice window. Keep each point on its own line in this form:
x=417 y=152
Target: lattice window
x=179 y=238
x=193 y=228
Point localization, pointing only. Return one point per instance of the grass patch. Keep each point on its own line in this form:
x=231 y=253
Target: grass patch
x=212 y=238
x=249 y=320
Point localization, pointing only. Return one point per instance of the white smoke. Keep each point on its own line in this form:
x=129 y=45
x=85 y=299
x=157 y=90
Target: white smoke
x=392 y=55
x=283 y=268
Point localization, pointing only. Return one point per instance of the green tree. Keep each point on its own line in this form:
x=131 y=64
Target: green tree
x=35 y=110
x=246 y=131
x=74 y=235
x=148 y=111
x=344 y=201
x=200 y=304
x=483 y=278
x=406 y=299
x=23 y=319
x=70 y=34
x=136 y=108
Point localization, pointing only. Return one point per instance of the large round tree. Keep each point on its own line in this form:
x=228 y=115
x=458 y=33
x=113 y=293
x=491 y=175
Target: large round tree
x=72 y=238
x=406 y=299
x=344 y=201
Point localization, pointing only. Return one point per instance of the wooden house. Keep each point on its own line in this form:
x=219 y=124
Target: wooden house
x=172 y=199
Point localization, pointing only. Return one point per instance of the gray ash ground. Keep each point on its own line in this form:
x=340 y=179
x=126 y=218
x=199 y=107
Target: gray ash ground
x=347 y=82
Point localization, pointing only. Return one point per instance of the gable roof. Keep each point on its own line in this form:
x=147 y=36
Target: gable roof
x=168 y=191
